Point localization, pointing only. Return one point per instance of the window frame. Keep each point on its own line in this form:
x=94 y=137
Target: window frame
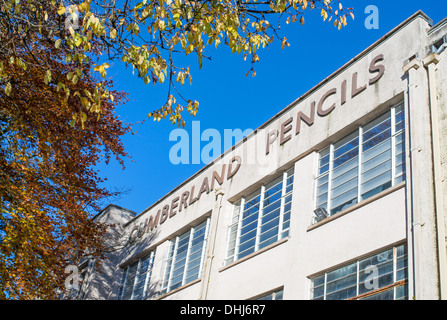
x=329 y=152
x=170 y=260
x=136 y=280
x=234 y=234
x=396 y=283
x=277 y=294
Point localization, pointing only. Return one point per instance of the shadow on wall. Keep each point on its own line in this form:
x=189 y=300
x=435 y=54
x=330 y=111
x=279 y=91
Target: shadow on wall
x=105 y=279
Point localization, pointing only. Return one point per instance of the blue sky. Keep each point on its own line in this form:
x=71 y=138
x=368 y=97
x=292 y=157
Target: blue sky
x=229 y=100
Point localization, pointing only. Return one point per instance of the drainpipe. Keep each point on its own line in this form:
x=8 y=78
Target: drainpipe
x=413 y=221
x=215 y=215
x=430 y=63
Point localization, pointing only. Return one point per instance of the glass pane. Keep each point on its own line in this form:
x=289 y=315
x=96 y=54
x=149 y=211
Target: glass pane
x=347 y=168
x=246 y=248
x=372 y=153
x=401 y=263
x=399 y=138
x=131 y=274
x=338 y=184
x=346 y=199
x=324 y=161
x=123 y=278
x=376 y=131
x=318 y=287
x=341 y=283
x=399 y=179
x=346 y=149
x=376 y=185
x=322 y=191
x=376 y=272
x=144 y=274
x=247 y=235
x=375 y=171
x=344 y=205
x=272 y=187
x=400 y=125
x=378 y=159
x=251 y=209
x=196 y=253
x=402 y=292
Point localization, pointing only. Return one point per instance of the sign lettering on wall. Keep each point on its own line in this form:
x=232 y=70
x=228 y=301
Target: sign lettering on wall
x=321 y=107
x=284 y=134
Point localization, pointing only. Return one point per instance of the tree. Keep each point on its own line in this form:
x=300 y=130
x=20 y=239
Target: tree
x=48 y=186
x=148 y=35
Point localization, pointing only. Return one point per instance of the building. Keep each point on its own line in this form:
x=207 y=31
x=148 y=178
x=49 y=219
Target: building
x=341 y=195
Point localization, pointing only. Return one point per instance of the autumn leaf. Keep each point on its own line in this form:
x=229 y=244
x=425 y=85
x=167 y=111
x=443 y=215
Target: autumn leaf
x=8 y=88
x=61 y=10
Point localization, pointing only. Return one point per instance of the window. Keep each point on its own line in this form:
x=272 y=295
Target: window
x=135 y=279
x=362 y=164
x=185 y=257
x=275 y=295
x=381 y=276
x=261 y=218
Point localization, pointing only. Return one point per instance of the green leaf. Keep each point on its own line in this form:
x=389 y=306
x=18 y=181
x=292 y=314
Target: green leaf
x=58 y=43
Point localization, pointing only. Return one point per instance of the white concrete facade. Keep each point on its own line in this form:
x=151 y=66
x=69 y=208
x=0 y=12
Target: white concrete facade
x=400 y=68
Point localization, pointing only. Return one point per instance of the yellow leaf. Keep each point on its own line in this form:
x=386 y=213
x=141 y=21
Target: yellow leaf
x=189 y=49
x=61 y=10
x=304 y=4
x=113 y=33
x=8 y=89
